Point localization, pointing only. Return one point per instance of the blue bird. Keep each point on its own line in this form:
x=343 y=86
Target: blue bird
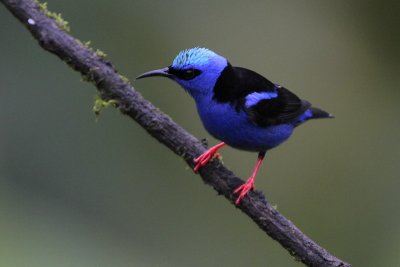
x=237 y=106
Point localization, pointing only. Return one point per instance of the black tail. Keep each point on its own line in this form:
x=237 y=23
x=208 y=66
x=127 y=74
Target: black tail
x=319 y=113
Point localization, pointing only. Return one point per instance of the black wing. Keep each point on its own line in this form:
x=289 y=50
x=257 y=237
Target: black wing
x=281 y=109
x=235 y=84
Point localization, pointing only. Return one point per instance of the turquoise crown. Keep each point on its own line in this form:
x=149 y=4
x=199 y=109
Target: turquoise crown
x=196 y=56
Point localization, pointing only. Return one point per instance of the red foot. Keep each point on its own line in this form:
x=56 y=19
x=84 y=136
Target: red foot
x=207 y=156
x=244 y=189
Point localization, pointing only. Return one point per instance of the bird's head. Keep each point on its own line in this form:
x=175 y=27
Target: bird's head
x=195 y=69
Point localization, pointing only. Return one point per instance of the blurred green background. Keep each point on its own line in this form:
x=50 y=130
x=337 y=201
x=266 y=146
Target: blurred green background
x=79 y=192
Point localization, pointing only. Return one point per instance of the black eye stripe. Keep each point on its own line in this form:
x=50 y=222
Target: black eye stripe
x=186 y=74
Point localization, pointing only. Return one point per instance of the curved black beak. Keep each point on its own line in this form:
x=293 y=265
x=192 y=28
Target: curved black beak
x=161 y=72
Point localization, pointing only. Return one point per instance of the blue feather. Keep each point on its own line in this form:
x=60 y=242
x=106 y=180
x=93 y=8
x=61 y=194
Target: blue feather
x=253 y=98
x=305 y=116
x=235 y=128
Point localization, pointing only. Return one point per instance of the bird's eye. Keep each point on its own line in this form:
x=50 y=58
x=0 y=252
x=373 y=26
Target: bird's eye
x=188 y=74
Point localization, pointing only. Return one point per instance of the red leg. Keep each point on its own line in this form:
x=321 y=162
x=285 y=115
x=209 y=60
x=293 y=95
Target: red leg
x=249 y=184
x=206 y=156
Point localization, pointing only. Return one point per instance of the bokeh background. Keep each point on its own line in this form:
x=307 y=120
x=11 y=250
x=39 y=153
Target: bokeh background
x=76 y=191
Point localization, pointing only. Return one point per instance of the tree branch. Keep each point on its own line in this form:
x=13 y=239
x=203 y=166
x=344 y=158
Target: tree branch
x=92 y=66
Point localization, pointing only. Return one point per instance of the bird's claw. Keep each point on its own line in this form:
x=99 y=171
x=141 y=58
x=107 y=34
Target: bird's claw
x=244 y=189
x=204 y=158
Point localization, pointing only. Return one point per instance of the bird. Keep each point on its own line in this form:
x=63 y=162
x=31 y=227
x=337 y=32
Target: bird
x=237 y=106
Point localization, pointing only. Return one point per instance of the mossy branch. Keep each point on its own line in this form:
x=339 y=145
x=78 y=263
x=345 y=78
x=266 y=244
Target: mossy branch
x=51 y=31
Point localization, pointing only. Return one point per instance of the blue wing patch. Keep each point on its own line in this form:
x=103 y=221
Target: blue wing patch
x=253 y=98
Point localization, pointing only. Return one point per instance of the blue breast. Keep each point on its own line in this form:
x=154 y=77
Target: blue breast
x=235 y=129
